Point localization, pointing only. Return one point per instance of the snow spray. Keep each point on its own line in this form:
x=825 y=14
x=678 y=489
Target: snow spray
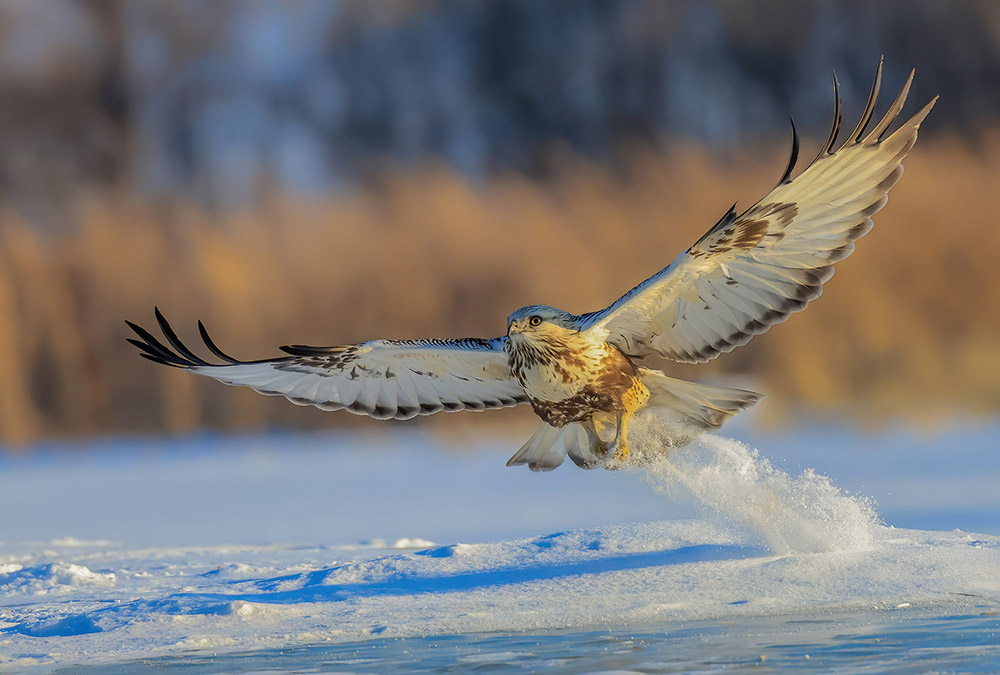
x=803 y=514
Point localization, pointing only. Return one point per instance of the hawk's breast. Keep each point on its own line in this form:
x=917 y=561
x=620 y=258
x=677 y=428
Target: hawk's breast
x=566 y=381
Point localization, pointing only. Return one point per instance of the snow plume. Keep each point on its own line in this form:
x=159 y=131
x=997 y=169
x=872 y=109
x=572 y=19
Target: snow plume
x=801 y=514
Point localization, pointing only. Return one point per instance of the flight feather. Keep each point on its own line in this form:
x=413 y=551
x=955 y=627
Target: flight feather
x=752 y=270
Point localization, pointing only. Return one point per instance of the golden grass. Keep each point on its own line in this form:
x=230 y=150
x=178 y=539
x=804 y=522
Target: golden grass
x=908 y=327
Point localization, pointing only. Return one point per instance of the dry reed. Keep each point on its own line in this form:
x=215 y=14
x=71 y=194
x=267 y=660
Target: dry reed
x=908 y=327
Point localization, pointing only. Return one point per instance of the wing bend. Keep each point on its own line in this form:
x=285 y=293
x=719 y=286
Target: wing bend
x=752 y=270
x=384 y=379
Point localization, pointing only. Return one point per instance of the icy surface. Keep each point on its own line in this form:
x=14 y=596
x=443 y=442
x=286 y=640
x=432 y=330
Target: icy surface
x=130 y=550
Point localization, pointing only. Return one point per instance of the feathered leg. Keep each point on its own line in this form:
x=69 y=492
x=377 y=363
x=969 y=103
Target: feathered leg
x=593 y=428
x=632 y=401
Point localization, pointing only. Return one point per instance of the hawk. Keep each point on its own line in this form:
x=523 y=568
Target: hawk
x=580 y=372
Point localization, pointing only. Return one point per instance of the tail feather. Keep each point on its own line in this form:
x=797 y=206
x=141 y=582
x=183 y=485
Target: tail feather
x=701 y=405
x=549 y=446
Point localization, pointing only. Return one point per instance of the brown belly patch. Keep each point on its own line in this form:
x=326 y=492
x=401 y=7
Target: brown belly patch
x=615 y=387
x=576 y=408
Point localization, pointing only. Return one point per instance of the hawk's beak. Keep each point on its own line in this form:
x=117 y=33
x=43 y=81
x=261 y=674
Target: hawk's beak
x=513 y=328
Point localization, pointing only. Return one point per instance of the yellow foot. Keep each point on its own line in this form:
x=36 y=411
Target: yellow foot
x=620 y=450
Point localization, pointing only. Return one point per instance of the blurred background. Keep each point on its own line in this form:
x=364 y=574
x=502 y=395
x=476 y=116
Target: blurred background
x=321 y=172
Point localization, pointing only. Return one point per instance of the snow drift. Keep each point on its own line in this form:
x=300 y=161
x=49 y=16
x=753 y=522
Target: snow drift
x=763 y=542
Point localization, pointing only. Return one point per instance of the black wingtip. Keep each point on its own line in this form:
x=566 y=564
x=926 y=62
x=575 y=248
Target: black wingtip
x=837 y=116
x=212 y=347
x=154 y=349
x=180 y=356
x=866 y=116
x=827 y=148
x=306 y=350
x=175 y=341
x=150 y=353
x=793 y=157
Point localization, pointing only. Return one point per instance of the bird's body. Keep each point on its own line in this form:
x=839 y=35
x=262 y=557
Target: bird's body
x=572 y=375
x=566 y=373
x=581 y=387
x=580 y=373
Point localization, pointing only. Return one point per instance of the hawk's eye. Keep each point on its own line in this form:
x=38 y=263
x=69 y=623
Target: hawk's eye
x=535 y=321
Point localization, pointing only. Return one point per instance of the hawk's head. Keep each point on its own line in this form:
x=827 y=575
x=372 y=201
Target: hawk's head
x=536 y=321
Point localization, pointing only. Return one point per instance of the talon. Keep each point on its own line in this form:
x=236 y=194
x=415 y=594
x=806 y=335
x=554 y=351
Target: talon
x=619 y=450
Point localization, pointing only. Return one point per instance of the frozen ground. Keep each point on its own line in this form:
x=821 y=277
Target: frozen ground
x=379 y=552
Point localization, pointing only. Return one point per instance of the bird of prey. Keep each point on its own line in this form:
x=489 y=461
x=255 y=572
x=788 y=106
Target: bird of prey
x=580 y=372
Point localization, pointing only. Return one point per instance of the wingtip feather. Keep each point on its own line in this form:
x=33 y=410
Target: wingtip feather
x=917 y=119
x=866 y=116
x=212 y=347
x=880 y=130
x=793 y=157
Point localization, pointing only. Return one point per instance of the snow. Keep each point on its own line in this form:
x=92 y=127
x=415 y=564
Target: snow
x=132 y=549
x=56 y=577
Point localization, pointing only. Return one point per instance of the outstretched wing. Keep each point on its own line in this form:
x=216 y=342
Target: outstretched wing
x=384 y=379
x=751 y=271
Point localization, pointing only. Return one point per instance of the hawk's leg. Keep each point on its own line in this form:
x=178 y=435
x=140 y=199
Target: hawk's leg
x=632 y=401
x=593 y=428
x=619 y=446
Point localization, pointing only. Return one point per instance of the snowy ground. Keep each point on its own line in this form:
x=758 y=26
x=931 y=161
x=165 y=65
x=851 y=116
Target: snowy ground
x=228 y=551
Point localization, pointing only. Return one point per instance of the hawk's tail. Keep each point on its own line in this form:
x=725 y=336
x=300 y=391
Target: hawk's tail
x=700 y=406
x=549 y=446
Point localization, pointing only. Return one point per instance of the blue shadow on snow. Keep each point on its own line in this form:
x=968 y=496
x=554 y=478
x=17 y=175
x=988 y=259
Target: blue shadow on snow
x=401 y=584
